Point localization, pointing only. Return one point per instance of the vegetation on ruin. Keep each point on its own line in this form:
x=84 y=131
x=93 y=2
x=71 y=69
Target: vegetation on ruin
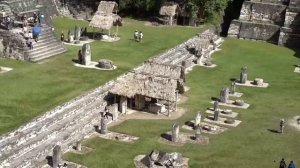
x=32 y=89
x=251 y=144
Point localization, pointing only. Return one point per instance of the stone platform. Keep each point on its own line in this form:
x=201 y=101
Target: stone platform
x=221 y=121
x=4 y=69
x=297 y=70
x=251 y=84
x=183 y=139
x=236 y=94
x=93 y=65
x=231 y=104
x=222 y=113
x=119 y=137
x=204 y=127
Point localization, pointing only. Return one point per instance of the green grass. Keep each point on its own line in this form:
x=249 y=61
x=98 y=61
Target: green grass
x=31 y=89
x=246 y=146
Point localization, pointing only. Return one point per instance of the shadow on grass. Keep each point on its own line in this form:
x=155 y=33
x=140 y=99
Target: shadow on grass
x=274 y=131
x=233 y=79
x=166 y=136
x=189 y=123
x=214 y=98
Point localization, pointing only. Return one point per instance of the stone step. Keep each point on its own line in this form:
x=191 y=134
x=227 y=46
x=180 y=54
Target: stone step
x=40 y=45
x=45 y=48
x=43 y=56
x=52 y=116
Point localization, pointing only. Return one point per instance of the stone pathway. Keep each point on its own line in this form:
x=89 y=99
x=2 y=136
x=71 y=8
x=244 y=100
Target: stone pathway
x=251 y=84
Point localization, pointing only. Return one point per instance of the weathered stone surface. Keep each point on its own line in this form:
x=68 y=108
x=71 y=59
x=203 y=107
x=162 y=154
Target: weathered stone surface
x=232 y=87
x=197 y=133
x=244 y=75
x=175 y=132
x=197 y=119
x=234 y=29
x=56 y=158
x=258 y=81
x=105 y=64
x=103 y=129
x=216 y=105
x=86 y=54
x=78 y=146
x=239 y=102
x=224 y=95
x=216 y=115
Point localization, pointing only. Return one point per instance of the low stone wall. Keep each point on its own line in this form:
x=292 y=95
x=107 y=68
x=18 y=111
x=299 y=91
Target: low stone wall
x=13 y=46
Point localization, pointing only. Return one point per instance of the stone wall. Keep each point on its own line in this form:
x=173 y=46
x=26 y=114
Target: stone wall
x=13 y=46
x=268 y=20
x=263 y=13
x=258 y=31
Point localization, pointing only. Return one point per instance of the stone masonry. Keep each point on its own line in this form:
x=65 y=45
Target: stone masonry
x=73 y=121
x=268 y=20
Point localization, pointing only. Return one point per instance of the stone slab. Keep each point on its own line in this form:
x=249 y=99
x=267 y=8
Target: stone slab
x=183 y=139
x=211 y=66
x=221 y=121
x=230 y=104
x=5 y=69
x=93 y=65
x=250 y=84
x=236 y=94
x=139 y=163
x=297 y=70
x=232 y=115
x=119 y=137
x=218 y=129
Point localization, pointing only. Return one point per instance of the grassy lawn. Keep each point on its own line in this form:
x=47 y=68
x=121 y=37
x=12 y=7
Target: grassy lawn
x=250 y=144
x=32 y=89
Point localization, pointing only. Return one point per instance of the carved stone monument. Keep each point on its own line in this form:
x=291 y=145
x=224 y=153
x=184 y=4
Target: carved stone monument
x=224 y=95
x=243 y=75
x=77 y=33
x=56 y=158
x=216 y=106
x=105 y=64
x=175 y=132
x=216 y=115
x=78 y=146
x=86 y=54
x=197 y=133
x=197 y=120
x=232 y=87
x=103 y=129
x=70 y=37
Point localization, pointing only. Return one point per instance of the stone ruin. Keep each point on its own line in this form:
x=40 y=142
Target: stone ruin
x=84 y=56
x=175 y=133
x=56 y=158
x=224 y=95
x=197 y=120
x=268 y=20
x=243 y=75
x=160 y=159
x=105 y=64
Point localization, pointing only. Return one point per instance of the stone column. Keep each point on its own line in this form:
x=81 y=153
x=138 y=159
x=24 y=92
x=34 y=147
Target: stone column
x=113 y=109
x=216 y=115
x=197 y=133
x=77 y=33
x=232 y=87
x=86 y=54
x=216 y=106
x=224 y=95
x=123 y=104
x=243 y=75
x=56 y=158
x=78 y=146
x=197 y=120
x=175 y=132
x=103 y=129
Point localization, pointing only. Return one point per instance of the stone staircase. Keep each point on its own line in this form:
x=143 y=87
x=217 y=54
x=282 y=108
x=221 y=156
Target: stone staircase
x=47 y=46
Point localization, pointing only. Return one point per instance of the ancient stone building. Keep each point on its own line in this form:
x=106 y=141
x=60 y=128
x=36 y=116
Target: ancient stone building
x=268 y=20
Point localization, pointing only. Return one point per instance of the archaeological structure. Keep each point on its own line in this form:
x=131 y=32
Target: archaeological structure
x=29 y=145
x=14 y=36
x=273 y=21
